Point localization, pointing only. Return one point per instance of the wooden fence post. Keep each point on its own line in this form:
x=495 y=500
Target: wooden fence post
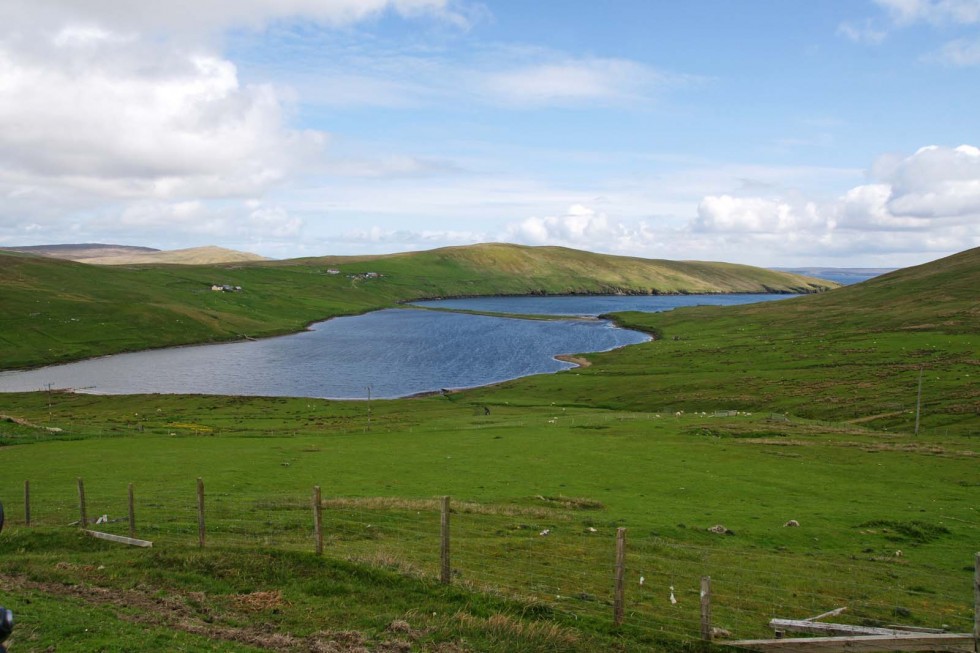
x=27 y=503
x=445 y=574
x=619 y=598
x=318 y=520
x=200 y=511
x=81 y=503
x=132 y=513
x=706 y=608
x=976 y=603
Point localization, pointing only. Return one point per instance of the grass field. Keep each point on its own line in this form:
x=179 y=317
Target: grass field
x=746 y=417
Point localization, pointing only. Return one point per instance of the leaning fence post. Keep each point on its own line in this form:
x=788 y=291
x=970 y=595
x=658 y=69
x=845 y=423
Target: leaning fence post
x=619 y=599
x=706 y=608
x=200 y=511
x=27 y=503
x=976 y=603
x=132 y=513
x=81 y=503
x=318 y=520
x=446 y=570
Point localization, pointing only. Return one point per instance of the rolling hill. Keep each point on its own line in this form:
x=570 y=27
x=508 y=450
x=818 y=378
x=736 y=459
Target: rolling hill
x=851 y=355
x=99 y=254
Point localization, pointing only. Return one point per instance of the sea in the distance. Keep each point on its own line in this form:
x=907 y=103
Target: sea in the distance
x=384 y=354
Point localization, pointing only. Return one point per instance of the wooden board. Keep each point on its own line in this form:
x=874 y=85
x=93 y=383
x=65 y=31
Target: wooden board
x=951 y=642
x=119 y=538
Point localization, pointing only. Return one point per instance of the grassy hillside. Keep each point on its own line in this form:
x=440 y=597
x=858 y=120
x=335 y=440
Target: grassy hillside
x=55 y=311
x=853 y=354
x=514 y=269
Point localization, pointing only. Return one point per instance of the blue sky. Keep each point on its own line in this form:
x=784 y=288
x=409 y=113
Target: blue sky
x=772 y=133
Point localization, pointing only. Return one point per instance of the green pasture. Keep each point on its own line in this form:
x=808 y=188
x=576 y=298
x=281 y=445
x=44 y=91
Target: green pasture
x=580 y=473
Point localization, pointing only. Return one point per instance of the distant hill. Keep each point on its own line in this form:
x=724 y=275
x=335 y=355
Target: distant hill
x=81 y=251
x=844 y=276
x=519 y=269
x=100 y=254
x=939 y=296
x=193 y=256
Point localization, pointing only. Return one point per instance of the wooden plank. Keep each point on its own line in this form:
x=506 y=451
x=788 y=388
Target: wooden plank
x=120 y=539
x=946 y=643
x=820 y=628
x=832 y=613
x=917 y=629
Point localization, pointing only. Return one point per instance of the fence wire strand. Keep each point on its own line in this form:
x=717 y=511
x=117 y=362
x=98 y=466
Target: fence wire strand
x=542 y=556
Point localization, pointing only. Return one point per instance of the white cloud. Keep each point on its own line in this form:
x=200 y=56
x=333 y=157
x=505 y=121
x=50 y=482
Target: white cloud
x=921 y=204
x=580 y=227
x=937 y=182
x=251 y=219
x=754 y=215
x=927 y=201
x=571 y=81
x=961 y=53
x=124 y=121
x=866 y=32
x=962 y=12
x=184 y=15
x=408 y=239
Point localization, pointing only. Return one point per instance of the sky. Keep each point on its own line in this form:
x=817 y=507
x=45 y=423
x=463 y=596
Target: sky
x=769 y=132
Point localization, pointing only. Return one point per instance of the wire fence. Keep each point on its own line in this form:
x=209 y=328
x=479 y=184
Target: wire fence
x=552 y=556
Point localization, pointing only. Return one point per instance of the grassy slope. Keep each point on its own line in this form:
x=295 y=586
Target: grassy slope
x=55 y=311
x=851 y=354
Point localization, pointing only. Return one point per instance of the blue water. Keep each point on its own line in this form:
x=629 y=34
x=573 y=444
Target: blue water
x=395 y=353
x=592 y=305
x=390 y=353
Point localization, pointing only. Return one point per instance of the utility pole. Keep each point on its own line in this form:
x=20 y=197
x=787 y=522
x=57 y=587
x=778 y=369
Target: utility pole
x=918 y=402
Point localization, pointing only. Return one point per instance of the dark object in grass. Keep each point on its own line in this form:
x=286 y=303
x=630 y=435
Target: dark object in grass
x=6 y=625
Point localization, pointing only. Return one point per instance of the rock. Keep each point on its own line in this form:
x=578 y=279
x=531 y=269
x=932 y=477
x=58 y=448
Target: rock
x=720 y=530
x=790 y=523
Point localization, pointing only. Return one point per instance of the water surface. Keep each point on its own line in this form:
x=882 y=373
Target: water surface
x=586 y=305
x=394 y=352
x=390 y=353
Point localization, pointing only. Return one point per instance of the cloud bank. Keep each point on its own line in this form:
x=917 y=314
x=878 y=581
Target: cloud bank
x=928 y=201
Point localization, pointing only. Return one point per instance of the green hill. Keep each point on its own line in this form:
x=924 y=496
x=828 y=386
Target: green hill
x=850 y=355
x=54 y=310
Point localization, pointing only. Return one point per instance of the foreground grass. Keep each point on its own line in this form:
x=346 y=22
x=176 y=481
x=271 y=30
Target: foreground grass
x=580 y=473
